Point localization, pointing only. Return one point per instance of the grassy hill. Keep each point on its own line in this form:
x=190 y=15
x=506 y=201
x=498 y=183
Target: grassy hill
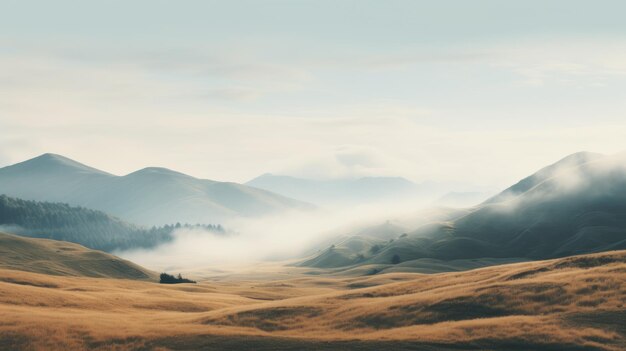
x=572 y=207
x=66 y=259
x=575 y=303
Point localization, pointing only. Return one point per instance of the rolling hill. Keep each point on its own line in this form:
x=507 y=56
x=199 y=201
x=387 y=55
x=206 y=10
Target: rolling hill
x=572 y=207
x=574 y=303
x=67 y=259
x=150 y=196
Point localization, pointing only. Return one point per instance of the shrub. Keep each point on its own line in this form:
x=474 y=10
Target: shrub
x=395 y=259
x=170 y=279
x=372 y=271
x=375 y=249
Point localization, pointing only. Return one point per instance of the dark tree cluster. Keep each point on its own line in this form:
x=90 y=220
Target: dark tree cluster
x=90 y=228
x=395 y=259
x=170 y=279
x=375 y=249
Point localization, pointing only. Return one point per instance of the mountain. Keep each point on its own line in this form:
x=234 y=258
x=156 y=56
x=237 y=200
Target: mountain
x=151 y=196
x=574 y=206
x=341 y=191
x=562 y=166
x=352 y=247
x=91 y=228
x=63 y=258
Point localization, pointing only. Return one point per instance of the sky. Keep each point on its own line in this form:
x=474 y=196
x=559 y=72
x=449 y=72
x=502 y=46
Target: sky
x=480 y=92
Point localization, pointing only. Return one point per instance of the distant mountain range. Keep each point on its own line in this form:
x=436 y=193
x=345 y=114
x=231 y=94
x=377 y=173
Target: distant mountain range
x=150 y=196
x=574 y=206
x=350 y=191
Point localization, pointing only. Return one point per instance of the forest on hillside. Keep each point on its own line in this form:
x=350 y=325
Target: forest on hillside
x=90 y=228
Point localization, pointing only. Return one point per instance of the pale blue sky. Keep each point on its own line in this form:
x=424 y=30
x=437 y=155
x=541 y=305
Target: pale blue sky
x=479 y=91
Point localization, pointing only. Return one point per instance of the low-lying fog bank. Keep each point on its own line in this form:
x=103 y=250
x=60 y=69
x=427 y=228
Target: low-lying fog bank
x=272 y=238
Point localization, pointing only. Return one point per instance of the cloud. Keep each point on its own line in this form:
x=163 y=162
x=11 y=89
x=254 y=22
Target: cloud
x=276 y=238
x=231 y=94
x=233 y=115
x=580 y=63
x=575 y=179
x=432 y=56
x=65 y=78
x=359 y=156
x=344 y=161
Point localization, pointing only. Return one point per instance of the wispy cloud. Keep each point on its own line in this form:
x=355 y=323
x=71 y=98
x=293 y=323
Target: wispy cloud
x=454 y=111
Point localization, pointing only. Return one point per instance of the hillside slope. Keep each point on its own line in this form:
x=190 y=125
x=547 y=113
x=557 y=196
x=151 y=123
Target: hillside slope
x=562 y=166
x=576 y=303
x=151 y=196
x=91 y=228
x=578 y=208
x=67 y=259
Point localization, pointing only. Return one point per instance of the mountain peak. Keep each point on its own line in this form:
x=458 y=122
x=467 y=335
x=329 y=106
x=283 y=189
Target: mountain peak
x=51 y=155
x=578 y=158
x=50 y=162
x=162 y=171
x=574 y=160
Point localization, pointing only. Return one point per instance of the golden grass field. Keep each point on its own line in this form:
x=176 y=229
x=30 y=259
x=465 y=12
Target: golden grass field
x=65 y=258
x=566 y=304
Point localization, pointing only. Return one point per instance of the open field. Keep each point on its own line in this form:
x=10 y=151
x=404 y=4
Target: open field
x=572 y=303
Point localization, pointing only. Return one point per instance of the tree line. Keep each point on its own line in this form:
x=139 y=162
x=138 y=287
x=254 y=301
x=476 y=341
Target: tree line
x=90 y=228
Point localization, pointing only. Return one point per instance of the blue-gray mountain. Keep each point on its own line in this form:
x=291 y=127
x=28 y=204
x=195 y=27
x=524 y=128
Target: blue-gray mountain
x=574 y=206
x=352 y=191
x=151 y=196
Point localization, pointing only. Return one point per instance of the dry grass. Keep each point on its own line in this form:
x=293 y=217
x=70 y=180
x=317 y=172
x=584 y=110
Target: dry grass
x=572 y=303
x=65 y=258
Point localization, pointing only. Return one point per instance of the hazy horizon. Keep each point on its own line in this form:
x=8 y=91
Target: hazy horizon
x=482 y=92
x=280 y=175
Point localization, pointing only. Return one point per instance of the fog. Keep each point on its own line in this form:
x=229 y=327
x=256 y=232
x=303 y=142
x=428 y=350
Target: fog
x=580 y=175
x=282 y=237
x=290 y=237
x=12 y=228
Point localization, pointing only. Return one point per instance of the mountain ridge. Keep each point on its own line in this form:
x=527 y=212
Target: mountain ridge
x=54 y=160
x=527 y=183
x=149 y=196
x=577 y=210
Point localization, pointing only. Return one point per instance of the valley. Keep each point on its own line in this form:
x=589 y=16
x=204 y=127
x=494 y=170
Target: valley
x=307 y=175
x=574 y=303
x=539 y=266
